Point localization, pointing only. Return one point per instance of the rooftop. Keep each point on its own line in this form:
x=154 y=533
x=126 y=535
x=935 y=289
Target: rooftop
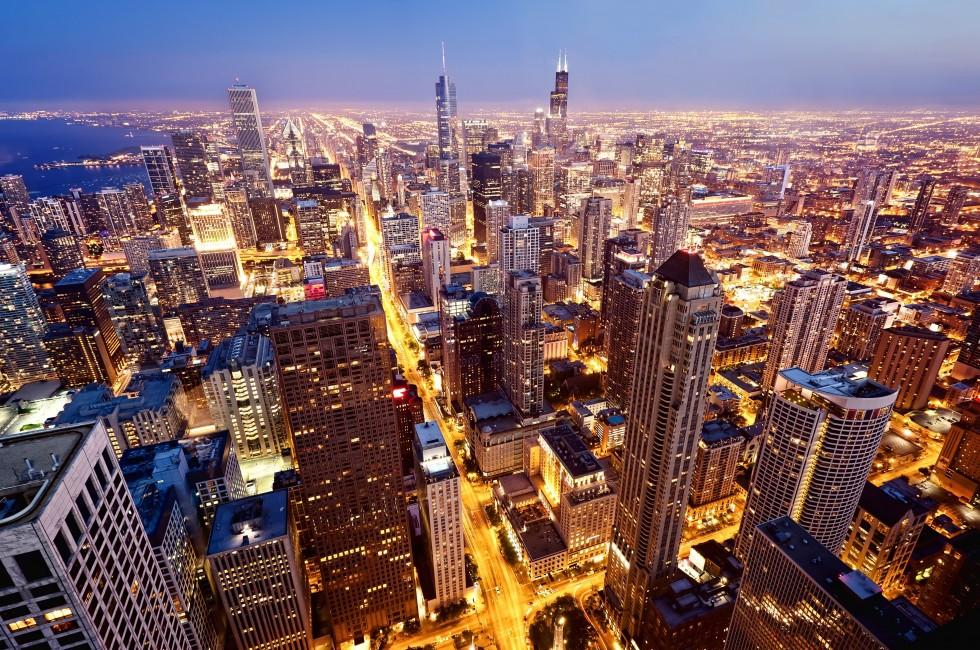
x=571 y=451
x=841 y=387
x=891 y=502
x=852 y=591
x=251 y=520
x=145 y=392
x=687 y=269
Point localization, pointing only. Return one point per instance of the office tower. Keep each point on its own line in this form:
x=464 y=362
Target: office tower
x=523 y=345
x=798 y=240
x=958 y=466
x=678 y=325
x=159 y=164
x=71 y=587
x=908 y=359
x=541 y=163
x=311 y=219
x=342 y=426
x=955 y=199
x=442 y=513
x=369 y=142
x=217 y=250
x=192 y=164
x=137 y=326
x=861 y=324
x=436 y=262
x=435 y=210
x=822 y=431
x=247 y=124
x=620 y=253
x=240 y=215
x=669 y=223
x=627 y=292
x=255 y=565
x=884 y=531
x=474 y=136
x=269 y=228
x=795 y=593
x=80 y=295
x=408 y=413
x=804 y=314
x=178 y=277
x=295 y=150
x=964 y=272
x=859 y=228
x=78 y=355
x=165 y=524
x=485 y=182
x=471 y=343
x=719 y=450
x=22 y=329
x=919 y=215
x=447 y=124
x=595 y=219
x=557 y=121
x=517 y=188
x=243 y=395
x=137 y=248
x=118 y=213
x=138 y=203
x=63 y=251
x=519 y=247
x=497 y=214
x=15 y=194
x=172 y=215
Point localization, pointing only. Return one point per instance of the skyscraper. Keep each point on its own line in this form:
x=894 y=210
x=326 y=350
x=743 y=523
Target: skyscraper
x=159 y=164
x=22 y=329
x=497 y=213
x=918 y=217
x=964 y=272
x=626 y=292
x=138 y=327
x=80 y=294
x=436 y=262
x=541 y=162
x=519 y=248
x=861 y=324
x=447 y=124
x=678 y=326
x=247 y=123
x=670 y=223
x=485 y=181
x=804 y=314
x=471 y=340
x=595 y=219
x=955 y=200
x=192 y=163
x=908 y=359
x=269 y=228
x=796 y=594
x=822 y=431
x=240 y=216
x=178 y=277
x=859 y=229
x=557 y=120
x=63 y=251
x=70 y=586
x=341 y=422
x=523 y=333
x=243 y=395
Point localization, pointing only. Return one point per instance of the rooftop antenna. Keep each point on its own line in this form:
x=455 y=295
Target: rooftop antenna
x=558 y=67
x=566 y=61
x=443 y=44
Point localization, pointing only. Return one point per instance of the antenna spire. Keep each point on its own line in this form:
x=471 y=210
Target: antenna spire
x=443 y=44
x=565 y=65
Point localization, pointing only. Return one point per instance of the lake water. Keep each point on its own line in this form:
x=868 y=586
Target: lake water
x=24 y=143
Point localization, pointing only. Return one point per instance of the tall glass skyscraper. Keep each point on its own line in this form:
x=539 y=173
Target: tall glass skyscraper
x=251 y=139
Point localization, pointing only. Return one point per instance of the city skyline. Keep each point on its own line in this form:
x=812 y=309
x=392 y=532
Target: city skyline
x=706 y=56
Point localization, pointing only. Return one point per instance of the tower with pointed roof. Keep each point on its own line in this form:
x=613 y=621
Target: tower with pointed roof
x=678 y=325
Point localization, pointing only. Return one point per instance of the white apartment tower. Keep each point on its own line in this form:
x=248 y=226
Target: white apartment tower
x=519 y=247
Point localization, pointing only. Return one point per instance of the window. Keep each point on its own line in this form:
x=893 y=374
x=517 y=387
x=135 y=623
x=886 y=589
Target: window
x=83 y=508
x=33 y=566
x=64 y=550
x=22 y=624
x=5 y=580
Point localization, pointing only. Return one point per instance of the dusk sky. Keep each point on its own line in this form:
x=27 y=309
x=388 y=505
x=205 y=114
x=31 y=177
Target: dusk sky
x=755 y=54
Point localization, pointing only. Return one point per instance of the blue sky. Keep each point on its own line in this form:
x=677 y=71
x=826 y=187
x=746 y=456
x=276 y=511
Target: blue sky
x=757 y=54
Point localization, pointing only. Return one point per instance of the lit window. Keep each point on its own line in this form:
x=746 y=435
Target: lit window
x=58 y=613
x=22 y=624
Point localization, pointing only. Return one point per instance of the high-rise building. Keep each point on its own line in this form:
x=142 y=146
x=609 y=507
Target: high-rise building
x=485 y=182
x=172 y=215
x=255 y=565
x=958 y=466
x=497 y=215
x=240 y=217
x=63 y=583
x=884 y=532
x=243 y=395
x=798 y=243
x=627 y=292
x=80 y=294
x=119 y=214
x=435 y=210
x=669 y=223
x=955 y=200
x=795 y=593
x=908 y=359
x=22 y=329
x=595 y=220
x=822 y=431
x=718 y=454
x=447 y=124
x=250 y=137
x=519 y=247
x=78 y=355
x=178 y=277
x=861 y=325
x=441 y=506
x=63 y=251
x=477 y=134
x=159 y=164
x=341 y=422
x=192 y=163
x=140 y=331
x=874 y=185
x=137 y=248
x=471 y=342
x=436 y=262
x=964 y=272
x=541 y=163
x=523 y=342
x=859 y=229
x=804 y=315
x=556 y=123
x=919 y=216
x=678 y=325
